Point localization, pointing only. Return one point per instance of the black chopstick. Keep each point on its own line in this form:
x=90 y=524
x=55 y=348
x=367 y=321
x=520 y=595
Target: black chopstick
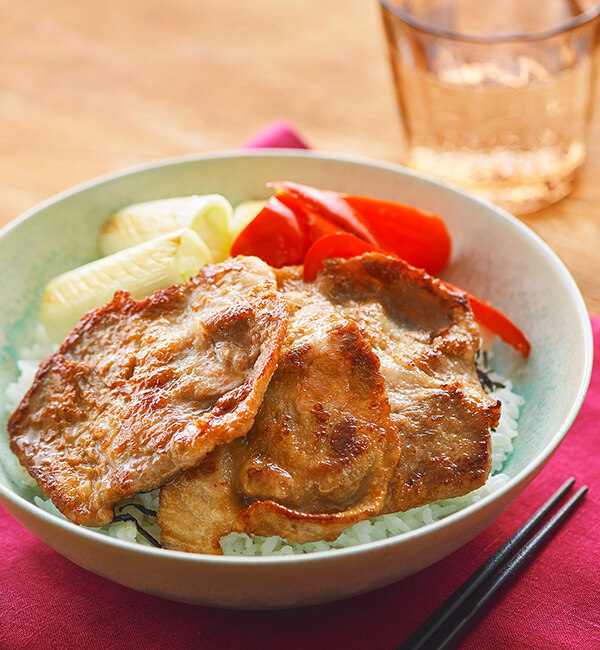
x=420 y=637
x=439 y=631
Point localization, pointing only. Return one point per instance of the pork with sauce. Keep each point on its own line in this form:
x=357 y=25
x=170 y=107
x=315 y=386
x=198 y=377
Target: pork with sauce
x=319 y=457
x=426 y=339
x=141 y=390
x=421 y=339
x=373 y=405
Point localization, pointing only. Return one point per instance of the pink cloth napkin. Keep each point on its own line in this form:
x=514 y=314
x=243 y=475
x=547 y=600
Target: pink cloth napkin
x=48 y=602
x=280 y=135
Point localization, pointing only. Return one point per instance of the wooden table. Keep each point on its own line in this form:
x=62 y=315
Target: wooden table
x=87 y=88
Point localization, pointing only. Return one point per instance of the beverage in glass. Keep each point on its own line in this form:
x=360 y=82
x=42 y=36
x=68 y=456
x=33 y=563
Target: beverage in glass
x=495 y=96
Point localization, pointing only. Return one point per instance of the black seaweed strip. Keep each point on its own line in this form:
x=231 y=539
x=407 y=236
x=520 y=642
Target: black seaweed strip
x=127 y=517
x=486 y=381
x=140 y=507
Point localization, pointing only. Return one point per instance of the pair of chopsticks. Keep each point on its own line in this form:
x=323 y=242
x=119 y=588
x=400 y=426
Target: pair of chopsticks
x=451 y=620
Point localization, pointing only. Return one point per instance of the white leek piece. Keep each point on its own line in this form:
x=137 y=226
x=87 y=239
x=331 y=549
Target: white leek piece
x=155 y=264
x=243 y=215
x=208 y=216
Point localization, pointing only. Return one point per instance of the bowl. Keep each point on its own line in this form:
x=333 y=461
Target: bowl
x=494 y=255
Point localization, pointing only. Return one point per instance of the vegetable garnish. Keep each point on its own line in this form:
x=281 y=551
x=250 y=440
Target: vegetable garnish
x=154 y=264
x=417 y=237
x=275 y=235
x=335 y=245
x=488 y=316
x=209 y=216
x=315 y=224
x=331 y=205
x=305 y=224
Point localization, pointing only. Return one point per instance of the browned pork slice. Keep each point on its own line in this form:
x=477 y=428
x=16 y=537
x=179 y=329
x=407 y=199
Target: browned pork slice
x=362 y=319
x=426 y=340
x=320 y=454
x=141 y=390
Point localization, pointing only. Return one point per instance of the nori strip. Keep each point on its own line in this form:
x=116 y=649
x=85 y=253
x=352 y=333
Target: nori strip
x=486 y=381
x=140 y=507
x=485 y=358
x=124 y=516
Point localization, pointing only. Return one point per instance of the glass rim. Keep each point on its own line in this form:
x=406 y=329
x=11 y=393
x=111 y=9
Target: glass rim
x=501 y=37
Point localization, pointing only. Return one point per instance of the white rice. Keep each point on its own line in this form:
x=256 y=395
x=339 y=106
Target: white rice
x=372 y=529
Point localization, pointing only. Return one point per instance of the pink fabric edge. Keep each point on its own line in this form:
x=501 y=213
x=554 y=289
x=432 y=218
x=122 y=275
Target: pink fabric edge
x=279 y=134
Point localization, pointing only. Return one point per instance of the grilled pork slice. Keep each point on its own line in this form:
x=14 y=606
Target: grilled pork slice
x=319 y=457
x=141 y=390
x=426 y=340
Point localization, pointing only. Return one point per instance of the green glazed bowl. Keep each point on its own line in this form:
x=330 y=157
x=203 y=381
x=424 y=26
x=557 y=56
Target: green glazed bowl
x=494 y=255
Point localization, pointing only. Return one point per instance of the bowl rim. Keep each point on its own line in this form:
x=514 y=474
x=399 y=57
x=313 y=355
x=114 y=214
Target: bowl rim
x=527 y=473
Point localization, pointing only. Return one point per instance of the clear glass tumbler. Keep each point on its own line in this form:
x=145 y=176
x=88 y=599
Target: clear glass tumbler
x=496 y=95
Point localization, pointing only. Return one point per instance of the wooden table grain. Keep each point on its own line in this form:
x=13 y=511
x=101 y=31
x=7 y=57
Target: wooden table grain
x=89 y=87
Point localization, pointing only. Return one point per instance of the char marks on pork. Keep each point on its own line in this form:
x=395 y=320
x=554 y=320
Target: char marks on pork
x=319 y=457
x=141 y=390
x=264 y=404
x=426 y=339
x=371 y=340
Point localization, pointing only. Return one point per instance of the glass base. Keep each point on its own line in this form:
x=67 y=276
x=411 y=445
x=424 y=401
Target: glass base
x=519 y=182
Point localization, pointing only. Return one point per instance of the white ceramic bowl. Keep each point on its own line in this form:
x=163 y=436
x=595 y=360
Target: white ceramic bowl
x=495 y=256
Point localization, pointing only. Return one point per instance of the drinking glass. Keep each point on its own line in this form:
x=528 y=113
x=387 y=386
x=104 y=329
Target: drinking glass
x=496 y=95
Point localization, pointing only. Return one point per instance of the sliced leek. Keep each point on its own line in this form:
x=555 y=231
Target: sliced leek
x=141 y=270
x=208 y=216
x=243 y=215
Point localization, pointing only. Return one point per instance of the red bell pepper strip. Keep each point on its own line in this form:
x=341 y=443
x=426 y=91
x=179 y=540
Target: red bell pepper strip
x=315 y=224
x=299 y=215
x=335 y=245
x=488 y=316
x=419 y=238
x=275 y=235
x=330 y=205
x=496 y=321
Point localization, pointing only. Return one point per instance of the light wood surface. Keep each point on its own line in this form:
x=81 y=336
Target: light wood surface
x=89 y=87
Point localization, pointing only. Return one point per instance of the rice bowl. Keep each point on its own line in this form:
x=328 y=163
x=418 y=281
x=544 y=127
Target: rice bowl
x=532 y=279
